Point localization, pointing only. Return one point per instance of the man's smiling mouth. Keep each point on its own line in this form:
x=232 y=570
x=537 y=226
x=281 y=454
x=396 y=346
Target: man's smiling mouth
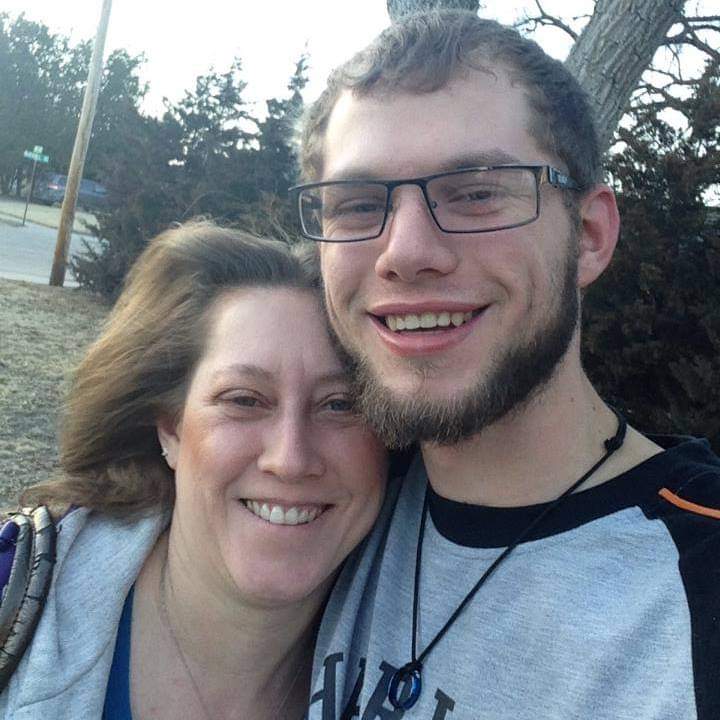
x=428 y=320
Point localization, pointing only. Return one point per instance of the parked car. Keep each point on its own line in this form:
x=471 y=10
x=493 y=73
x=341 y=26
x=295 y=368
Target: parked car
x=50 y=189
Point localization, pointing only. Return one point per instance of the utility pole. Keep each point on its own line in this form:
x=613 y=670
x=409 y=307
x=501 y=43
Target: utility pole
x=82 y=139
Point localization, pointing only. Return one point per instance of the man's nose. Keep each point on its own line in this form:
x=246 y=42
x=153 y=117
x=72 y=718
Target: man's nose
x=415 y=247
x=289 y=451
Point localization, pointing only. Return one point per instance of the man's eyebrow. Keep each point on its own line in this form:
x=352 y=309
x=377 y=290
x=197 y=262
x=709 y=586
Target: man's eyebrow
x=494 y=156
x=356 y=173
x=480 y=159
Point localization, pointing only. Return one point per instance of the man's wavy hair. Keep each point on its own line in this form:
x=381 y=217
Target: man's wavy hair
x=141 y=365
x=422 y=53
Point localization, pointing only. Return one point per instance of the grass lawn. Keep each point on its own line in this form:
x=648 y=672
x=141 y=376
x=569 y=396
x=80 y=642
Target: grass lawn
x=42 y=214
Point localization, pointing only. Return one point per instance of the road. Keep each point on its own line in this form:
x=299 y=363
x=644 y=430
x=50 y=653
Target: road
x=26 y=253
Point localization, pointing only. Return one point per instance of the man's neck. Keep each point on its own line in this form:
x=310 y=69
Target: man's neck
x=533 y=454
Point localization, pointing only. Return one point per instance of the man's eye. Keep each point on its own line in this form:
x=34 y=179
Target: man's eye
x=354 y=207
x=473 y=194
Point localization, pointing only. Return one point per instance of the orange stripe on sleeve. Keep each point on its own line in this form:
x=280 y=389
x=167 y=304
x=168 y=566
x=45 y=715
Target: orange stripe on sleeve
x=692 y=507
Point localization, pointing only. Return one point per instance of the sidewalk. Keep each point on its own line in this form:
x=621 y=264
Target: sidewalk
x=42 y=215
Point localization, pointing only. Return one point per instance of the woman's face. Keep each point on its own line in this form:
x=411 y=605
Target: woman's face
x=277 y=480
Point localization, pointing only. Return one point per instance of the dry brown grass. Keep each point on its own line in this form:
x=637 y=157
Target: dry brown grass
x=43 y=331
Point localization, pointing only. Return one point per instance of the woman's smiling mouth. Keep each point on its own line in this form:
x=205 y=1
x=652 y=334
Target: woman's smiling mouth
x=284 y=514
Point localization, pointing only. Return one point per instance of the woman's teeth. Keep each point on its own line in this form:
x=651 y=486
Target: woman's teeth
x=426 y=320
x=278 y=515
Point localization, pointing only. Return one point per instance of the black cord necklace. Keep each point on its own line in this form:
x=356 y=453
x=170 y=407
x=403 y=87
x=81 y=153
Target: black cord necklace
x=406 y=683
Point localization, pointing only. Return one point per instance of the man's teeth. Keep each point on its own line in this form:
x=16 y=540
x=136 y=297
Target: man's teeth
x=278 y=515
x=426 y=320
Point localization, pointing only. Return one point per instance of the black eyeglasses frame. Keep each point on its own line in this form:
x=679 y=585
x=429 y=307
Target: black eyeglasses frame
x=543 y=174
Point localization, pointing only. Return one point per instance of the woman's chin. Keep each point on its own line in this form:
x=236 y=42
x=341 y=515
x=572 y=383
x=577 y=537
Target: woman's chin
x=274 y=587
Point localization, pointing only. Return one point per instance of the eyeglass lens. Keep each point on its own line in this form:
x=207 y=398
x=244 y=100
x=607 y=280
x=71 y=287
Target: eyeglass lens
x=468 y=201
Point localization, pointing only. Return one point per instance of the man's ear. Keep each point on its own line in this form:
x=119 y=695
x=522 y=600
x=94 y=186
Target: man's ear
x=169 y=429
x=600 y=226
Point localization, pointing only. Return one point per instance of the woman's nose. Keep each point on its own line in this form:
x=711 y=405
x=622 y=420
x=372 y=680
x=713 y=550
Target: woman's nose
x=289 y=451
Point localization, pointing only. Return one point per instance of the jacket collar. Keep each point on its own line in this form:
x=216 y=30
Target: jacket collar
x=65 y=669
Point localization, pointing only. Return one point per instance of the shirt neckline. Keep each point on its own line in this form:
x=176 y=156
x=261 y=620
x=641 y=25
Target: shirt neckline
x=494 y=527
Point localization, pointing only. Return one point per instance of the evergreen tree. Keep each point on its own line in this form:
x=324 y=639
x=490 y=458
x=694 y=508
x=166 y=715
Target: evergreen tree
x=652 y=336
x=210 y=156
x=41 y=88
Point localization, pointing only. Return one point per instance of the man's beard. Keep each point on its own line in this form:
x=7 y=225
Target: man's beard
x=513 y=380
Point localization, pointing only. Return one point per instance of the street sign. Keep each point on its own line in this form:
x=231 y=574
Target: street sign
x=37 y=157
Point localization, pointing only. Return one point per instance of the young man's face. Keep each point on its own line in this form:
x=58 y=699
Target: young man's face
x=518 y=286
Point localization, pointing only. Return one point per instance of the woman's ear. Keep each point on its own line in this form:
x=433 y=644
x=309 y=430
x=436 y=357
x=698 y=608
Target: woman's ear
x=168 y=431
x=600 y=226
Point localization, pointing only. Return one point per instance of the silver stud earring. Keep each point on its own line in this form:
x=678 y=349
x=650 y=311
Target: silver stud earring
x=164 y=453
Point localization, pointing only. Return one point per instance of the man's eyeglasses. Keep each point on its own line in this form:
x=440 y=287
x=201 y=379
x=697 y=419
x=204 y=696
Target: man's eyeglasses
x=473 y=200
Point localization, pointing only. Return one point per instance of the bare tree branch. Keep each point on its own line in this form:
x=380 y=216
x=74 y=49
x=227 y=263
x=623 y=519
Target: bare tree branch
x=544 y=18
x=716 y=28
x=697 y=43
x=675 y=81
x=668 y=99
x=689 y=35
x=688 y=30
x=703 y=19
x=675 y=52
x=694 y=40
x=673 y=77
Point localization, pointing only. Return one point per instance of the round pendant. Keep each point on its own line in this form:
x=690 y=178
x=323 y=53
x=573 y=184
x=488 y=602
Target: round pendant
x=405 y=686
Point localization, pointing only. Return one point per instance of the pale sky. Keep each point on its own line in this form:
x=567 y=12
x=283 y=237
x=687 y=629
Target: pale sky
x=182 y=40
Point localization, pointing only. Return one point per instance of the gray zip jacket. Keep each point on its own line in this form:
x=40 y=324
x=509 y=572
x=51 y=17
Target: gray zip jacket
x=64 y=671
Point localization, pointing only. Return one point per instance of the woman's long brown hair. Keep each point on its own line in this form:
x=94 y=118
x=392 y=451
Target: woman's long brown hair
x=140 y=365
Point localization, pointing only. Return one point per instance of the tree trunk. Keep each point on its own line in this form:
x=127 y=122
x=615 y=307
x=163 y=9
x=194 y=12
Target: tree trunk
x=398 y=8
x=614 y=50
x=609 y=57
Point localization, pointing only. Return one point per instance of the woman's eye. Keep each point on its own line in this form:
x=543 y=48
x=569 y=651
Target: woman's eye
x=245 y=401
x=340 y=405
